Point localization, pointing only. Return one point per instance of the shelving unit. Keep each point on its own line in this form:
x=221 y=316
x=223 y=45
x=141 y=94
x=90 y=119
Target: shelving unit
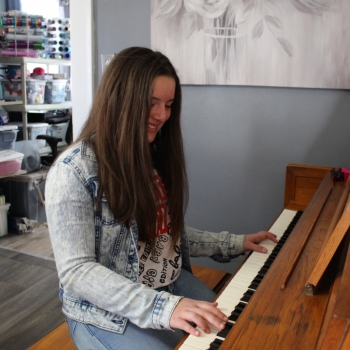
x=23 y=106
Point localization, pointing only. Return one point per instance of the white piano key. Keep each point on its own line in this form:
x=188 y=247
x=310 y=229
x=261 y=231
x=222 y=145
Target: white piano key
x=189 y=347
x=230 y=300
x=200 y=341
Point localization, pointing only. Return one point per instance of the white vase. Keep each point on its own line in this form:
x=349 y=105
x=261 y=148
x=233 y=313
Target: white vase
x=225 y=56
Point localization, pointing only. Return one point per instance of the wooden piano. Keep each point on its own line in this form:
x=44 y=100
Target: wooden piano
x=266 y=300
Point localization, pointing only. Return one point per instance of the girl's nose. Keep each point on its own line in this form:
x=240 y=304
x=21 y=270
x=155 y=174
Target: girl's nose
x=160 y=113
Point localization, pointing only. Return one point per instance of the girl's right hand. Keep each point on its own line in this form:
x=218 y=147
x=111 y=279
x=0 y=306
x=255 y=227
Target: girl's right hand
x=201 y=313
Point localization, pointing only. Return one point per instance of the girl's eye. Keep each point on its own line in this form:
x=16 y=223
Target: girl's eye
x=168 y=106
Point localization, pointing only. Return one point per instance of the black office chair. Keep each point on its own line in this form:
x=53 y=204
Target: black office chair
x=52 y=141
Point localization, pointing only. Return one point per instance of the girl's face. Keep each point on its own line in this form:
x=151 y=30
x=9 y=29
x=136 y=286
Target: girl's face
x=163 y=95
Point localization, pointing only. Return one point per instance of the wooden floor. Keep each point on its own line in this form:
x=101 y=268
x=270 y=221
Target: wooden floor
x=29 y=303
x=36 y=243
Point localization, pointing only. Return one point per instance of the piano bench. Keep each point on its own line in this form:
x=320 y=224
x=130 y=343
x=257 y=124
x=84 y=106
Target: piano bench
x=59 y=338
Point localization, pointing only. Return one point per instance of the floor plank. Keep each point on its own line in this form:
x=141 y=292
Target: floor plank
x=36 y=243
x=29 y=303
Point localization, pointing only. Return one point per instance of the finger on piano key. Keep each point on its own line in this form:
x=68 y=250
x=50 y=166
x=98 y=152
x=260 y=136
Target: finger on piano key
x=201 y=341
x=225 y=308
x=269 y=245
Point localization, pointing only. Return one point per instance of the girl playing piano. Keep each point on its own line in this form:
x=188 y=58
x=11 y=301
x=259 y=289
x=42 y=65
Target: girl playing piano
x=115 y=204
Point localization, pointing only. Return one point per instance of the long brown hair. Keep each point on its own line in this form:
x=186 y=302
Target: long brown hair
x=116 y=130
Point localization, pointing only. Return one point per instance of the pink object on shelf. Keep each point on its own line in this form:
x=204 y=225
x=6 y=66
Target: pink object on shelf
x=18 y=53
x=10 y=162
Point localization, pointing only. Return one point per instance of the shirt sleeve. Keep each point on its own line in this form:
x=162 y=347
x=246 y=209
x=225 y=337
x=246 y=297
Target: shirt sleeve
x=220 y=246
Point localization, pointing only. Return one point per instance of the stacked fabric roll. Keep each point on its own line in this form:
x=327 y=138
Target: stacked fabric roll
x=21 y=34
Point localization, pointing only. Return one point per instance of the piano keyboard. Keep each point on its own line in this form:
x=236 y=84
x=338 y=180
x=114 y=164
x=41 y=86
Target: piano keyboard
x=243 y=285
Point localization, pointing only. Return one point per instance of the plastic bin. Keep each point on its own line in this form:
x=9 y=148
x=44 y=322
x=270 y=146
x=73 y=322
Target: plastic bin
x=8 y=135
x=3 y=219
x=55 y=91
x=25 y=193
x=35 y=91
x=34 y=129
x=10 y=162
x=11 y=90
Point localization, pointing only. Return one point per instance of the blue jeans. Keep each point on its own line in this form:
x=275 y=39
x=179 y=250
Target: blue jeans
x=86 y=336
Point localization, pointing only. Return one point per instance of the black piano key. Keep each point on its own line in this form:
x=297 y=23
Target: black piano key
x=263 y=270
x=253 y=286
x=261 y=276
x=257 y=279
x=223 y=333
x=237 y=311
x=270 y=260
x=247 y=295
x=215 y=345
x=234 y=316
x=240 y=306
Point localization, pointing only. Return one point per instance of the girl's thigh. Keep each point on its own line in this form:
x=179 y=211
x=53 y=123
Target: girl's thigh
x=90 y=337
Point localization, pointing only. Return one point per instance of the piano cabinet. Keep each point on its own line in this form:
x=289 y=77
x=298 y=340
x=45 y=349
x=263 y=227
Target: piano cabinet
x=287 y=318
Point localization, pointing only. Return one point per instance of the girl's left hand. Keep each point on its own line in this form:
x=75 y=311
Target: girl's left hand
x=252 y=241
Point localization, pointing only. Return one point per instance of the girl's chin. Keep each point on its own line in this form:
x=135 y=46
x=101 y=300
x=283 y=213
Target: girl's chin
x=151 y=137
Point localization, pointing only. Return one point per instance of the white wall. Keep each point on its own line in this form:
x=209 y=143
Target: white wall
x=82 y=61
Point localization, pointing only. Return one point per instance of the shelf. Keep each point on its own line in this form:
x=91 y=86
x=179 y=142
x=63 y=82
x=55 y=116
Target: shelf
x=21 y=60
x=22 y=105
x=10 y=103
x=20 y=172
x=19 y=107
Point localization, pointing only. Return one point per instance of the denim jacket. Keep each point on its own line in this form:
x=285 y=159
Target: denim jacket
x=96 y=257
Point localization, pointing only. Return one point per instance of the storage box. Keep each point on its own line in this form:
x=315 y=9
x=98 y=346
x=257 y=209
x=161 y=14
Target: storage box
x=10 y=162
x=58 y=130
x=34 y=129
x=55 y=91
x=11 y=90
x=8 y=135
x=25 y=193
x=35 y=91
x=3 y=219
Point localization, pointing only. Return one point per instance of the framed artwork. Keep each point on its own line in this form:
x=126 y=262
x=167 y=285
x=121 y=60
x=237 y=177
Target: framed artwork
x=285 y=43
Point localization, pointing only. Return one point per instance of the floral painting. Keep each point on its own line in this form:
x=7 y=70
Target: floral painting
x=286 y=43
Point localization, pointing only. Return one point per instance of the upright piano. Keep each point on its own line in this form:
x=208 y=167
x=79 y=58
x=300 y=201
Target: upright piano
x=268 y=299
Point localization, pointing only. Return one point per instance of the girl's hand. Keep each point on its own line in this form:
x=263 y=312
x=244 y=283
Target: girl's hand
x=251 y=241
x=201 y=313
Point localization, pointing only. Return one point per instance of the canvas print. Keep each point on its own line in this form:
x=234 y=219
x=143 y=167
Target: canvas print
x=285 y=43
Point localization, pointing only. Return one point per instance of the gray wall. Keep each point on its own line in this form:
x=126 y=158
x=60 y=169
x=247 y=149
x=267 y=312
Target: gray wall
x=238 y=139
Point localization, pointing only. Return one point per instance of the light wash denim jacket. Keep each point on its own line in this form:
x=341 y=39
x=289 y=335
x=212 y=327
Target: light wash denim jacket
x=96 y=257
